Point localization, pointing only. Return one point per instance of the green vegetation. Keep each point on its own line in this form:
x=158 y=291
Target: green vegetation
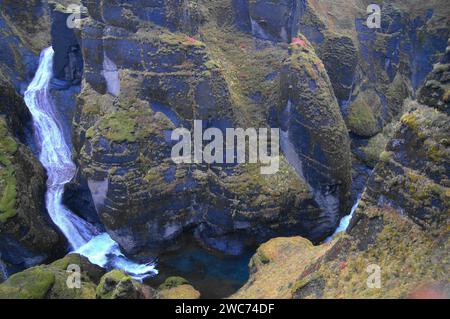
x=361 y=119
x=8 y=193
x=34 y=283
x=173 y=282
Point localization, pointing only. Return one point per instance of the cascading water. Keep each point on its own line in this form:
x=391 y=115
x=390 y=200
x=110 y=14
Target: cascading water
x=55 y=155
x=345 y=221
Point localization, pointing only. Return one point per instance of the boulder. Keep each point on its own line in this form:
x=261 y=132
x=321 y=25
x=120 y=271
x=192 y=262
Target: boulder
x=117 y=285
x=54 y=281
x=177 y=288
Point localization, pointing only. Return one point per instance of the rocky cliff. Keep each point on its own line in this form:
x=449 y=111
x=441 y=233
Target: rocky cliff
x=146 y=75
x=399 y=231
x=314 y=69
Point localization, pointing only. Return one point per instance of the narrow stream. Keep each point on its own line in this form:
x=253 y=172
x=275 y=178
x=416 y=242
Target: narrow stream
x=56 y=157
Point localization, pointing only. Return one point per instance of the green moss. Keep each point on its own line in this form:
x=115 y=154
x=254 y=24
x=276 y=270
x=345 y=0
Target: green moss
x=173 y=282
x=410 y=120
x=107 y=289
x=361 y=119
x=385 y=156
x=8 y=193
x=126 y=126
x=177 y=39
x=446 y=95
x=34 y=283
x=374 y=148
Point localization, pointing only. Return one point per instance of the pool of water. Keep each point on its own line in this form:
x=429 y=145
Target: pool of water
x=213 y=274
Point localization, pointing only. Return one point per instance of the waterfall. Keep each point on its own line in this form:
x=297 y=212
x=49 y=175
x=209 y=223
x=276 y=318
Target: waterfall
x=345 y=221
x=56 y=157
x=258 y=31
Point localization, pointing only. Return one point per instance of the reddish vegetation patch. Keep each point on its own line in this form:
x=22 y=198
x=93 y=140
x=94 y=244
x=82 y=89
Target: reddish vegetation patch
x=342 y=265
x=429 y=291
x=299 y=42
x=191 y=40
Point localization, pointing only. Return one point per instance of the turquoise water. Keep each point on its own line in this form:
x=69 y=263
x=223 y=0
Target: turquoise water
x=213 y=274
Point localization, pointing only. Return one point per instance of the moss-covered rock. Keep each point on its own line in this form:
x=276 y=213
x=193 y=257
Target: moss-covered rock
x=117 y=285
x=167 y=78
x=436 y=90
x=173 y=282
x=401 y=224
x=51 y=281
x=179 y=292
x=276 y=267
x=315 y=133
x=362 y=114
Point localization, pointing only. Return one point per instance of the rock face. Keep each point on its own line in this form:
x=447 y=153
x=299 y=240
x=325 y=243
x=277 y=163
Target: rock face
x=275 y=20
x=68 y=60
x=143 y=78
x=400 y=228
x=314 y=137
x=436 y=90
x=276 y=266
x=389 y=62
x=25 y=32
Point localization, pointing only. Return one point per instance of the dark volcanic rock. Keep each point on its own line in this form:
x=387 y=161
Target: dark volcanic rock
x=314 y=138
x=68 y=60
x=436 y=90
x=275 y=20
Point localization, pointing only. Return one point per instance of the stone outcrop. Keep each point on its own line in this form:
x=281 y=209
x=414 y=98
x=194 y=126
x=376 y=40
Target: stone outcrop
x=68 y=60
x=314 y=137
x=399 y=229
x=25 y=32
x=117 y=285
x=436 y=90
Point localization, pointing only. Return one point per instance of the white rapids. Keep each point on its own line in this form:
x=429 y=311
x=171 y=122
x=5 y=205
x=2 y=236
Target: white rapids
x=56 y=157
